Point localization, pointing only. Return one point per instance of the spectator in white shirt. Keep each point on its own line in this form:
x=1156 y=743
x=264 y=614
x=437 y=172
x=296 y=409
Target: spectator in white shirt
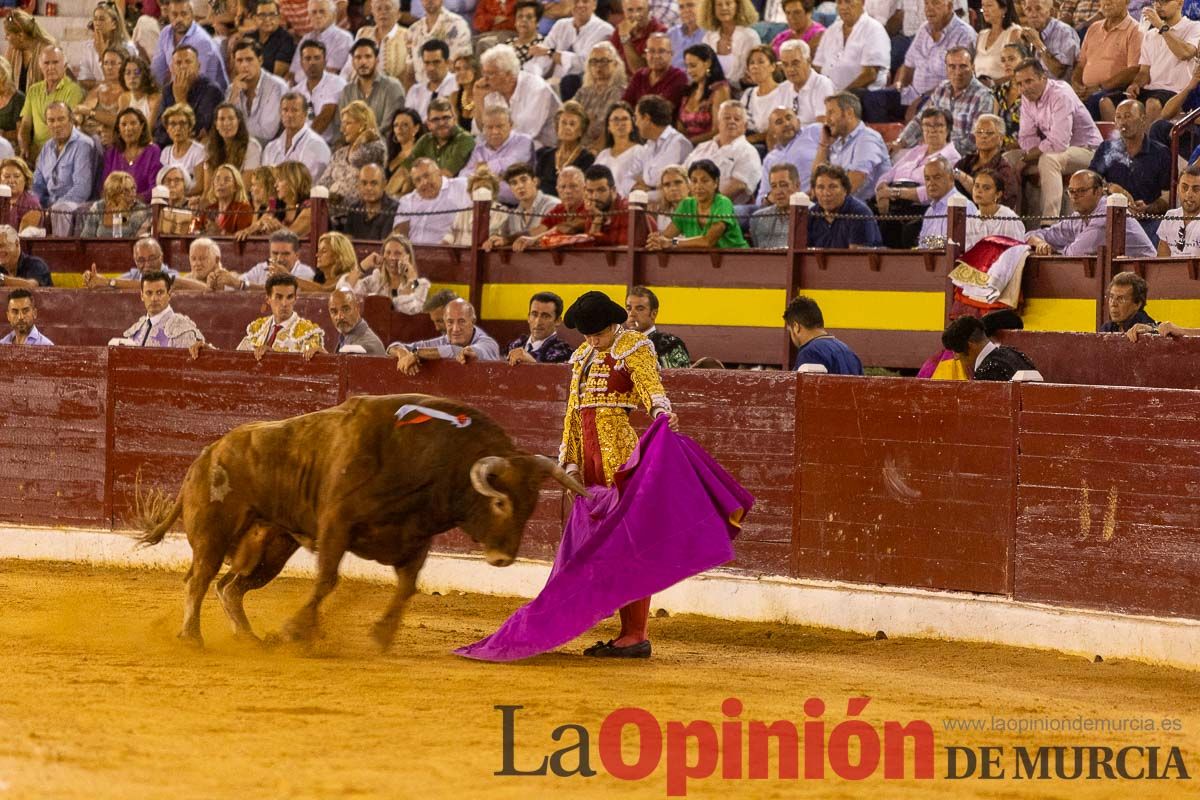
x=255 y=91
x=321 y=88
x=440 y=24
x=337 y=40
x=735 y=157
x=993 y=218
x=807 y=88
x=425 y=214
x=569 y=42
x=662 y=145
x=1179 y=232
x=855 y=53
x=435 y=55
x=530 y=99
x=1169 y=43
x=729 y=34
x=298 y=142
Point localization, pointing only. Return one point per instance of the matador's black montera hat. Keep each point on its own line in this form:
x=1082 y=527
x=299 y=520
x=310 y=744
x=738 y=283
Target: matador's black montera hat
x=593 y=312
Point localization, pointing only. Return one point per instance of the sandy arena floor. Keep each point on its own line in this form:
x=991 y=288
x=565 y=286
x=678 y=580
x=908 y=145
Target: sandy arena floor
x=100 y=701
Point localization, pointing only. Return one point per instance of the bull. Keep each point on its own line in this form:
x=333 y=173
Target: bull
x=355 y=478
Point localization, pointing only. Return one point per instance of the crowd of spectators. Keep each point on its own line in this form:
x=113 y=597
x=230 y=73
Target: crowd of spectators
x=718 y=111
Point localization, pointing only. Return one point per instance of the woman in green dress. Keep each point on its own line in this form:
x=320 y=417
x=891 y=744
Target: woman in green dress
x=703 y=219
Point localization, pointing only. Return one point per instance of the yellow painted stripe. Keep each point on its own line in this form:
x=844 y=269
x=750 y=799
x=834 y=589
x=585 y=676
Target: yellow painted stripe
x=751 y=308
x=1181 y=312
x=460 y=289
x=1044 y=314
x=878 y=311
x=511 y=300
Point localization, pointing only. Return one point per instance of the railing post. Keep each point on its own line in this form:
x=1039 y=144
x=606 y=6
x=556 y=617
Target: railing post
x=158 y=201
x=956 y=244
x=319 y=214
x=639 y=229
x=481 y=220
x=799 y=207
x=5 y=202
x=1114 y=234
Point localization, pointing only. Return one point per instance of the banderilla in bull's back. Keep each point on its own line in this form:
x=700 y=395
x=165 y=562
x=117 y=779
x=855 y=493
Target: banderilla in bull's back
x=345 y=479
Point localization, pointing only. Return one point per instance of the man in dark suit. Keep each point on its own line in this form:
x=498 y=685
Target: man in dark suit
x=967 y=338
x=642 y=305
x=541 y=345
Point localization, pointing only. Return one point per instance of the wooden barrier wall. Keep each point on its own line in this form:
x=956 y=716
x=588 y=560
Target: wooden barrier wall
x=1070 y=495
x=1110 y=359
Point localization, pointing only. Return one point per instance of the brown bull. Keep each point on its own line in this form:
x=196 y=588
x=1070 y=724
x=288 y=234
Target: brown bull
x=354 y=479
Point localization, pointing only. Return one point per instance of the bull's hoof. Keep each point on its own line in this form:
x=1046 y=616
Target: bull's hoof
x=247 y=637
x=383 y=633
x=191 y=639
x=298 y=631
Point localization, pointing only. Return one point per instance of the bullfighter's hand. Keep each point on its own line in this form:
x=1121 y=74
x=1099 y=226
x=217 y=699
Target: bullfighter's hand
x=194 y=349
x=90 y=278
x=519 y=355
x=467 y=355
x=673 y=421
x=259 y=352
x=311 y=351
x=408 y=363
x=573 y=471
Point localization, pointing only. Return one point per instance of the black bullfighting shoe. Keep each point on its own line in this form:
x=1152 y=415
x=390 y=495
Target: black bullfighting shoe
x=598 y=648
x=639 y=650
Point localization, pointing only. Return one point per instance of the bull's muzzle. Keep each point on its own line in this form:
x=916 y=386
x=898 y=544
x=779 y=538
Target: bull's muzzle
x=497 y=558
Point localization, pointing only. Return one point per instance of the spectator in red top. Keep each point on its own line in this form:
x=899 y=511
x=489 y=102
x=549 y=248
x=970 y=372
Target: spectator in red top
x=568 y=217
x=609 y=222
x=658 y=76
x=630 y=36
x=496 y=15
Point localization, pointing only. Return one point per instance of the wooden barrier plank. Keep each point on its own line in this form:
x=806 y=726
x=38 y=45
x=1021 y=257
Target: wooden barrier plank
x=52 y=435
x=166 y=408
x=1109 y=359
x=1107 y=508
x=885 y=496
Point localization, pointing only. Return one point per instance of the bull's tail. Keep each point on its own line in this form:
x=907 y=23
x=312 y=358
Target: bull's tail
x=154 y=513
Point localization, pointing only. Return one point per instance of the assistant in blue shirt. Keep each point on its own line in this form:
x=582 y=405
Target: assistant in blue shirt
x=806 y=327
x=831 y=352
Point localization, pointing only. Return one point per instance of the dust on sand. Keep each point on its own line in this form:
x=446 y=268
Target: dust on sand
x=100 y=701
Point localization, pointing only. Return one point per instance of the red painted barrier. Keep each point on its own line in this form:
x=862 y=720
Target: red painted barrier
x=1071 y=495
x=908 y=483
x=1108 y=511
x=1109 y=359
x=53 y=432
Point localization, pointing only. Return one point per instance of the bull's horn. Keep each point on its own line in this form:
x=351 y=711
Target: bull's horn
x=480 y=471
x=559 y=474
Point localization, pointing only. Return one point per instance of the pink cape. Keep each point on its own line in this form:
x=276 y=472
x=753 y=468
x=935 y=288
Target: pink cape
x=672 y=513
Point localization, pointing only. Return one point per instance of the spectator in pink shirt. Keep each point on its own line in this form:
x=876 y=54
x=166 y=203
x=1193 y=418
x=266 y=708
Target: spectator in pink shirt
x=1057 y=136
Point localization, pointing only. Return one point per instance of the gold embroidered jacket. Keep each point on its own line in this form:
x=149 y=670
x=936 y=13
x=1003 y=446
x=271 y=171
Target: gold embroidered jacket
x=613 y=383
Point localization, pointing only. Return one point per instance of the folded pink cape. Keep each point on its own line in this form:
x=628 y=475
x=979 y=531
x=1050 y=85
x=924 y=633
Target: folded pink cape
x=671 y=514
